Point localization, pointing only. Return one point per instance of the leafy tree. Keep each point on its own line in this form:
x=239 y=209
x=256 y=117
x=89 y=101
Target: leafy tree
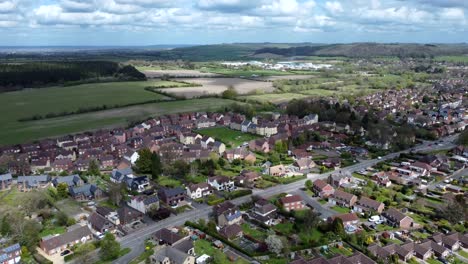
x=117 y=192
x=5 y=227
x=156 y=166
x=83 y=252
x=274 y=244
x=62 y=218
x=62 y=190
x=309 y=184
x=144 y=161
x=94 y=168
x=110 y=248
x=337 y=227
x=230 y=93
x=275 y=158
x=463 y=138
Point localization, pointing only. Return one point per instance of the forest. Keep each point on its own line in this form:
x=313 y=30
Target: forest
x=41 y=74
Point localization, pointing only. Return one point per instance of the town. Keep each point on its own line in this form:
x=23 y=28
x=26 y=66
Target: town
x=380 y=179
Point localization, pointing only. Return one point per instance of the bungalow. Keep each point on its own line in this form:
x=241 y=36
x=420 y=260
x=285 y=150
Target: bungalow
x=100 y=223
x=304 y=164
x=171 y=196
x=259 y=145
x=56 y=244
x=196 y=191
x=221 y=183
x=85 y=192
x=227 y=213
x=71 y=180
x=343 y=198
x=246 y=178
x=292 y=202
x=396 y=218
x=368 y=205
x=322 y=189
x=26 y=183
x=166 y=237
x=144 y=204
x=348 y=218
x=387 y=251
x=231 y=231
x=453 y=241
x=127 y=215
x=340 y=178
x=168 y=255
x=278 y=170
x=5 y=181
x=264 y=212
x=10 y=254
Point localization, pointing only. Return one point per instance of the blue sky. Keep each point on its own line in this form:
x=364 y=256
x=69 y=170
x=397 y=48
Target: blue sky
x=149 y=22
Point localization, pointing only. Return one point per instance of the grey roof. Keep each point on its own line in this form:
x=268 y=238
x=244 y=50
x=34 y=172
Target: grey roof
x=33 y=181
x=70 y=180
x=119 y=175
x=170 y=192
x=175 y=255
x=151 y=200
x=66 y=238
x=86 y=190
x=6 y=177
x=166 y=236
x=185 y=245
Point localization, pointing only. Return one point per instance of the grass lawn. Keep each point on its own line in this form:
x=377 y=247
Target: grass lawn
x=245 y=73
x=274 y=98
x=341 y=251
x=26 y=103
x=52 y=231
x=255 y=233
x=433 y=261
x=341 y=210
x=183 y=209
x=169 y=182
x=276 y=261
x=284 y=228
x=69 y=207
x=314 y=234
x=109 y=204
x=263 y=184
x=322 y=201
x=384 y=227
x=228 y=136
x=463 y=253
x=10 y=197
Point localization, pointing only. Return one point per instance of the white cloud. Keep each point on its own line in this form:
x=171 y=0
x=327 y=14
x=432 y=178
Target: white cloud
x=334 y=7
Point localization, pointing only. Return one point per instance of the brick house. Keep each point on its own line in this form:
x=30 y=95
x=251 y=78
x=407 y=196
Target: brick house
x=342 y=198
x=396 y=218
x=292 y=202
x=366 y=204
x=322 y=189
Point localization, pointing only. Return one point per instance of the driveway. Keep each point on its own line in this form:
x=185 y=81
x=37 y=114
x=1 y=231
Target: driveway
x=56 y=258
x=324 y=211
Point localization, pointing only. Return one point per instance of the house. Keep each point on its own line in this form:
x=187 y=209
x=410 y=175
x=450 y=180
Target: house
x=259 y=145
x=5 y=181
x=227 y=213
x=278 y=170
x=382 y=178
x=85 y=192
x=304 y=164
x=56 y=244
x=205 y=141
x=100 y=223
x=348 y=218
x=343 y=198
x=218 y=147
x=10 y=254
x=231 y=231
x=171 y=255
x=144 y=204
x=171 y=196
x=396 y=218
x=366 y=204
x=166 y=237
x=322 y=189
x=197 y=191
x=385 y=252
x=264 y=212
x=138 y=184
x=60 y=165
x=127 y=215
x=131 y=156
x=221 y=183
x=340 y=178
x=71 y=180
x=26 y=183
x=119 y=175
x=189 y=138
x=453 y=241
x=246 y=178
x=292 y=202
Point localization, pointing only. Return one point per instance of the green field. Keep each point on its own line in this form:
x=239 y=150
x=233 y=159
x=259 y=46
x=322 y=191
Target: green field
x=456 y=59
x=18 y=132
x=228 y=136
x=274 y=98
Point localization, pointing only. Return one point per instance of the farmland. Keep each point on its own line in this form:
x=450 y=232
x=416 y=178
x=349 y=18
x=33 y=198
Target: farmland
x=211 y=86
x=274 y=98
x=158 y=73
x=244 y=73
x=228 y=136
x=27 y=103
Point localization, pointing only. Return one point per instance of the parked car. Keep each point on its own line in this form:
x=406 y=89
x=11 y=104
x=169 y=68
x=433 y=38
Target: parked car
x=65 y=252
x=374 y=218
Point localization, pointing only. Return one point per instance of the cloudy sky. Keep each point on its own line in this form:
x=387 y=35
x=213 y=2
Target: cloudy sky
x=148 y=22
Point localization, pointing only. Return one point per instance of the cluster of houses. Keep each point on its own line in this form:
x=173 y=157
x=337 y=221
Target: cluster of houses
x=438 y=245
x=442 y=113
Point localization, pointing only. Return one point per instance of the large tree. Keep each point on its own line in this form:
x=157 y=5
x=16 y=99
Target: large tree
x=110 y=248
x=144 y=161
x=84 y=252
x=93 y=168
x=156 y=165
x=274 y=244
x=62 y=190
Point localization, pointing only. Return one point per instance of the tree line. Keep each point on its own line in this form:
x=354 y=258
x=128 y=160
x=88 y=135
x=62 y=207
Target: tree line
x=39 y=74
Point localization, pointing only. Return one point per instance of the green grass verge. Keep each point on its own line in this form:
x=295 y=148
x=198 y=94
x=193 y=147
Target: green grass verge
x=228 y=136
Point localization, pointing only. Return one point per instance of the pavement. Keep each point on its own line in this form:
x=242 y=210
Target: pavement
x=135 y=241
x=324 y=211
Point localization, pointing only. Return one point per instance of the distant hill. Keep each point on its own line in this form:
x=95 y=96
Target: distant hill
x=370 y=50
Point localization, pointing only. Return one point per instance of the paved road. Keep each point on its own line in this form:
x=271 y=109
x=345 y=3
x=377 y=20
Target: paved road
x=324 y=211
x=135 y=241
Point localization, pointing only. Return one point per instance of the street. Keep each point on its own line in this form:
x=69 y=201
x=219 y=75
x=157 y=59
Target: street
x=135 y=241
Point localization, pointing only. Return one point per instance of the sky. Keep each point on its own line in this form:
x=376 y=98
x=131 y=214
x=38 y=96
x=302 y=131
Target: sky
x=153 y=22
